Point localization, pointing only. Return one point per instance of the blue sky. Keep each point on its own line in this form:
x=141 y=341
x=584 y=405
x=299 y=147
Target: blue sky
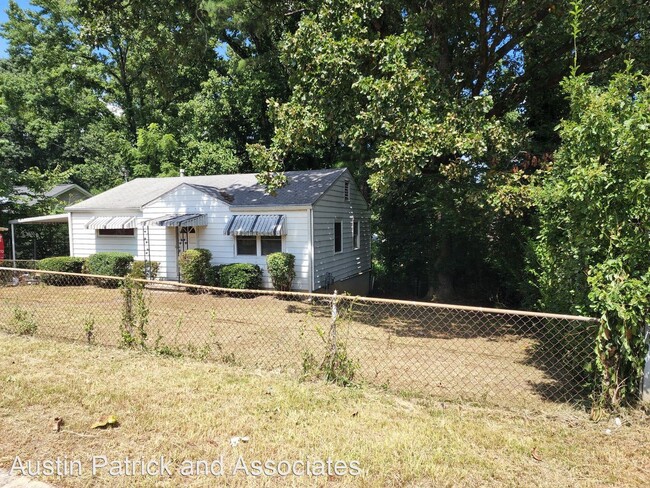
x=4 y=5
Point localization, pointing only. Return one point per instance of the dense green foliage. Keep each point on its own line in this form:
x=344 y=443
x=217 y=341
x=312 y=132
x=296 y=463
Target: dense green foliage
x=444 y=112
x=241 y=276
x=196 y=268
x=281 y=267
x=109 y=264
x=592 y=255
x=430 y=105
x=433 y=105
x=63 y=264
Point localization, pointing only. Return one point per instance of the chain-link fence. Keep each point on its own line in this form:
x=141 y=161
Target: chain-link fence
x=452 y=352
x=19 y=263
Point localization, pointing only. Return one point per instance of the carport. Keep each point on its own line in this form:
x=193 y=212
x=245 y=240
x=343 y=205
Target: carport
x=44 y=219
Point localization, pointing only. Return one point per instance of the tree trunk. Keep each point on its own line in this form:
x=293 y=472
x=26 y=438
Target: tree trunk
x=441 y=287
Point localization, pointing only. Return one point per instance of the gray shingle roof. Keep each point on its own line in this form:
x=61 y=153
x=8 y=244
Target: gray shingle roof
x=242 y=190
x=31 y=198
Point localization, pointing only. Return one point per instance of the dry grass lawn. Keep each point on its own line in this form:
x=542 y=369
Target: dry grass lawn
x=188 y=410
x=451 y=354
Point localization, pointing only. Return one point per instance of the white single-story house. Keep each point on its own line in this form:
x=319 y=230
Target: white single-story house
x=320 y=216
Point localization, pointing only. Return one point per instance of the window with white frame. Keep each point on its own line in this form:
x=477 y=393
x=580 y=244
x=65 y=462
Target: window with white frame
x=116 y=232
x=270 y=244
x=258 y=245
x=338 y=236
x=246 y=246
x=356 y=234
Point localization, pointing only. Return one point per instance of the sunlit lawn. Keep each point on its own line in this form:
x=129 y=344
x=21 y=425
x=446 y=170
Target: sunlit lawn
x=189 y=410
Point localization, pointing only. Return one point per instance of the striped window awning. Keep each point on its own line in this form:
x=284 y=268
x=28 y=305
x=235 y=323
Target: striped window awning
x=186 y=220
x=125 y=222
x=256 y=225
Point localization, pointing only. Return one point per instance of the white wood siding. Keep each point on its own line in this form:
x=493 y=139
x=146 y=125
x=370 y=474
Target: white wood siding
x=186 y=199
x=85 y=242
x=328 y=209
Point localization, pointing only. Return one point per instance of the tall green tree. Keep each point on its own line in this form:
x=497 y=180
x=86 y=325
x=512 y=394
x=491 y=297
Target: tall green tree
x=443 y=92
x=154 y=55
x=50 y=92
x=231 y=109
x=592 y=254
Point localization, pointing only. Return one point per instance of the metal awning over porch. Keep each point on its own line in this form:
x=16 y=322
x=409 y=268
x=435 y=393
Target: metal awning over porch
x=117 y=222
x=187 y=220
x=256 y=225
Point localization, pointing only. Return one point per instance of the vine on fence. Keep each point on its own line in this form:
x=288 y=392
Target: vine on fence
x=337 y=366
x=620 y=346
x=135 y=314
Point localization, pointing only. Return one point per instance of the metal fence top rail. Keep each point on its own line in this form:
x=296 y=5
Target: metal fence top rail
x=468 y=308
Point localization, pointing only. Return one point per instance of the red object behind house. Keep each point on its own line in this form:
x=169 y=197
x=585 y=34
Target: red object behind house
x=2 y=248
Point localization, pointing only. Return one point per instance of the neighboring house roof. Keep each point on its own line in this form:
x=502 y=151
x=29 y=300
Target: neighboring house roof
x=55 y=192
x=242 y=190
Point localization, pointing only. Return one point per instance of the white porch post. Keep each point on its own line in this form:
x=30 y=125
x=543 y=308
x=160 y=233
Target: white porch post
x=13 y=244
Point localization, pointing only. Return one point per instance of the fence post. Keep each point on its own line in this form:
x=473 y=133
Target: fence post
x=645 y=380
x=333 y=339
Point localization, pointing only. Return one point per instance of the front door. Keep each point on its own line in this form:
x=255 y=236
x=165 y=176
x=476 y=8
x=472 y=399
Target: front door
x=186 y=238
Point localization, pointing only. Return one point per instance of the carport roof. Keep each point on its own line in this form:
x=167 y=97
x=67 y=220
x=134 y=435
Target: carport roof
x=44 y=219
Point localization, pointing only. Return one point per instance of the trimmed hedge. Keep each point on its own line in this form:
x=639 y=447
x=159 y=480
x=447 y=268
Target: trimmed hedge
x=63 y=264
x=137 y=270
x=241 y=276
x=196 y=268
x=109 y=264
x=281 y=269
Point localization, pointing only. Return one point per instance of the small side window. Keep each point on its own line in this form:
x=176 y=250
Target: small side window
x=338 y=236
x=346 y=191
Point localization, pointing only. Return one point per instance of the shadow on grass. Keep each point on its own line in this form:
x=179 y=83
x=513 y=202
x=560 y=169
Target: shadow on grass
x=560 y=349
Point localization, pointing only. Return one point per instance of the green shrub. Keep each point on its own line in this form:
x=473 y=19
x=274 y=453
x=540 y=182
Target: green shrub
x=23 y=323
x=63 y=264
x=138 y=271
x=241 y=276
x=216 y=271
x=109 y=264
x=281 y=269
x=196 y=268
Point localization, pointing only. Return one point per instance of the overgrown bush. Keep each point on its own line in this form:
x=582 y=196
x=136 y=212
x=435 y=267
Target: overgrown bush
x=23 y=322
x=138 y=270
x=135 y=314
x=337 y=365
x=109 y=264
x=240 y=276
x=281 y=269
x=196 y=268
x=591 y=255
x=63 y=264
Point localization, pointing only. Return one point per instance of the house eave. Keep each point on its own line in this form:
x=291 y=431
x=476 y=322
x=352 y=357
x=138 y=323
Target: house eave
x=259 y=208
x=103 y=209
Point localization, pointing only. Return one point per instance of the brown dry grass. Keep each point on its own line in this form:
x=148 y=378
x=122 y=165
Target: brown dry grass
x=185 y=409
x=406 y=348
